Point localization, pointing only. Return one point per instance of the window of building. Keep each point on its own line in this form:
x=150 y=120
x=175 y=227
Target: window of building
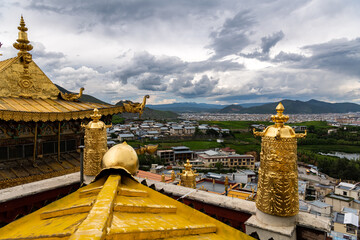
x=48 y=147
x=29 y=150
x=350 y=229
x=70 y=145
x=344 y=193
x=3 y=153
x=15 y=151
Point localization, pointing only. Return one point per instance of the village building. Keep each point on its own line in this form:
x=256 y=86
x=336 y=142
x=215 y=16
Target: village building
x=211 y=157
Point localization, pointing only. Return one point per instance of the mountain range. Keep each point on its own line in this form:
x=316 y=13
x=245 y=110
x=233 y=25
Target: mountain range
x=291 y=106
x=184 y=107
x=296 y=106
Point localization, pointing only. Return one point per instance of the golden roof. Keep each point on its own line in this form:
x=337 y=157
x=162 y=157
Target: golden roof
x=29 y=109
x=36 y=85
x=118 y=207
x=27 y=94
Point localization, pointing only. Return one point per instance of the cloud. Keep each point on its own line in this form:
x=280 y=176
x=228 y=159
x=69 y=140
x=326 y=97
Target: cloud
x=48 y=60
x=74 y=78
x=148 y=81
x=268 y=42
x=233 y=36
x=283 y=57
x=203 y=87
x=144 y=62
x=340 y=56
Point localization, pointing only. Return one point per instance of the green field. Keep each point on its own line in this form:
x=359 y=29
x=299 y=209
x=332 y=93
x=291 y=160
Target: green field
x=316 y=124
x=330 y=148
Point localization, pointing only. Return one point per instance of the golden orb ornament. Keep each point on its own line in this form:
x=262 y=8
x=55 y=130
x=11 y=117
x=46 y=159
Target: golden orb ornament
x=121 y=156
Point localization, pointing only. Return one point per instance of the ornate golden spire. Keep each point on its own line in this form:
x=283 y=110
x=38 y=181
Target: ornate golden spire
x=188 y=176
x=22 y=42
x=279 y=118
x=277 y=192
x=96 y=115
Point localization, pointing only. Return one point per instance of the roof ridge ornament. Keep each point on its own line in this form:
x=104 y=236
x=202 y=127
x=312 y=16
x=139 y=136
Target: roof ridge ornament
x=280 y=118
x=96 y=115
x=72 y=96
x=22 y=43
x=23 y=46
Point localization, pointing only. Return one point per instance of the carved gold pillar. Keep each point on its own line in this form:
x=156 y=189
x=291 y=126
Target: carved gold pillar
x=95 y=144
x=277 y=192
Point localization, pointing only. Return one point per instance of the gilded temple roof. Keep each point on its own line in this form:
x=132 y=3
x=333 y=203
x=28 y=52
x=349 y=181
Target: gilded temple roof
x=13 y=83
x=118 y=207
x=30 y=109
x=27 y=94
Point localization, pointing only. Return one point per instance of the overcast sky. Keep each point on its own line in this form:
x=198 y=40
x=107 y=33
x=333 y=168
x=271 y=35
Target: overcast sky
x=226 y=51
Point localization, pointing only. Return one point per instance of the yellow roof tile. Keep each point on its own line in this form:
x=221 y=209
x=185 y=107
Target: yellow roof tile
x=118 y=207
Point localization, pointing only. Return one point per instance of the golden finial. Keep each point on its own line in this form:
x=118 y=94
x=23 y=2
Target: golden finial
x=173 y=175
x=279 y=118
x=187 y=165
x=22 y=43
x=96 y=115
x=163 y=177
x=188 y=177
x=226 y=181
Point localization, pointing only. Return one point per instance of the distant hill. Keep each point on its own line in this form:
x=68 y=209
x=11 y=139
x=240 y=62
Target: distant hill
x=191 y=107
x=150 y=114
x=293 y=107
x=84 y=97
x=232 y=109
x=185 y=107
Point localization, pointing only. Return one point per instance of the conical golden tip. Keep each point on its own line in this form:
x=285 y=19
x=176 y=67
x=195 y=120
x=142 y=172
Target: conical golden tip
x=280 y=107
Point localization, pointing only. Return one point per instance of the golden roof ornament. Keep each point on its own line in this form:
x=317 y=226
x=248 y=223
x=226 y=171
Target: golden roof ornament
x=72 y=96
x=23 y=42
x=173 y=175
x=188 y=176
x=23 y=46
x=121 y=156
x=277 y=192
x=95 y=116
x=131 y=107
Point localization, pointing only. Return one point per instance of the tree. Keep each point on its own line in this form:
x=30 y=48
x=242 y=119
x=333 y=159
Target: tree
x=219 y=166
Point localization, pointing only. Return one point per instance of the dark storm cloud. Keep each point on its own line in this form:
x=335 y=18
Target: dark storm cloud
x=114 y=12
x=269 y=41
x=150 y=82
x=340 y=56
x=193 y=89
x=233 y=36
x=149 y=72
x=266 y=44
x=218 y=66
x=144 y=62
x=288 y=57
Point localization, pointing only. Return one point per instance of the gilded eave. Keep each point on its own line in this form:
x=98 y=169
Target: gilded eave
x=118 y=207
x=28 y=109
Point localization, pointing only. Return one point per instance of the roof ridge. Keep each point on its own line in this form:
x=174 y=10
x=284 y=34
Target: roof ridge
x=6 y=63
